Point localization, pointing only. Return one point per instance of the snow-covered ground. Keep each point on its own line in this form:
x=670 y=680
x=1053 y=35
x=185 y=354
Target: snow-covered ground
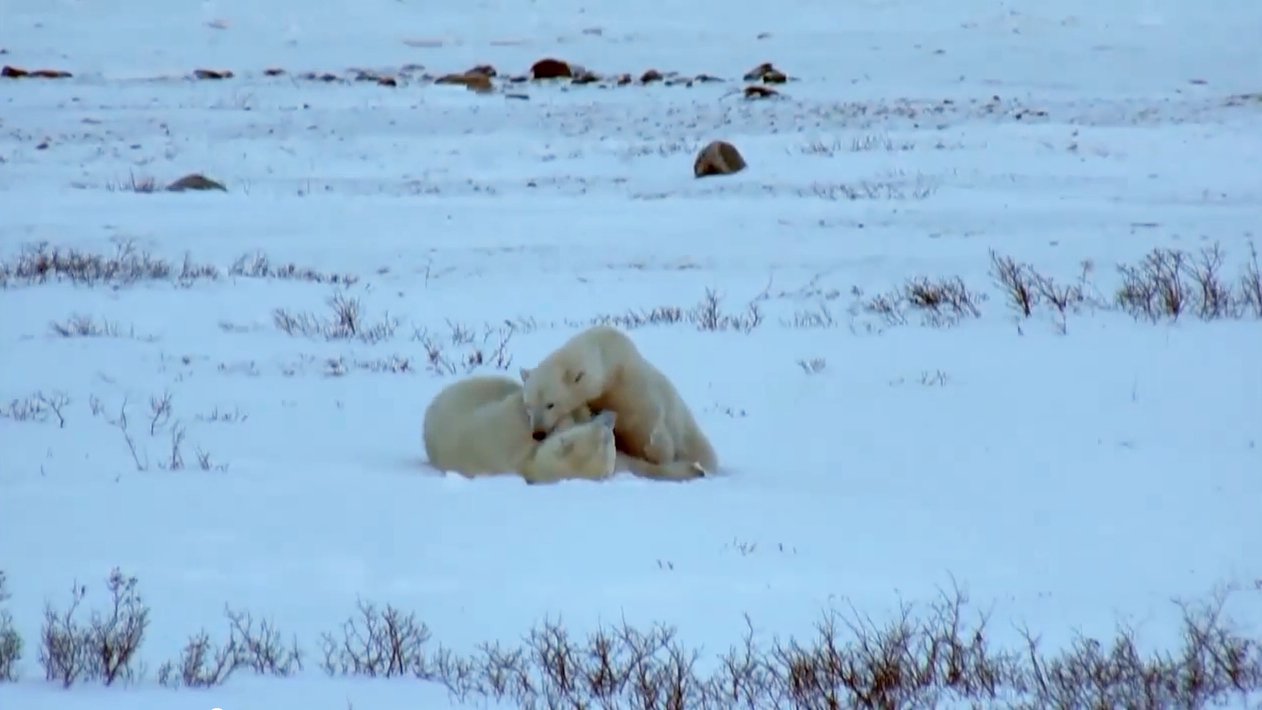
x=1067 y=474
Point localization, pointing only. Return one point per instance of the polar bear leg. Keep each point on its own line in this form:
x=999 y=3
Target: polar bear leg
x=673 y=471
x=661 y=446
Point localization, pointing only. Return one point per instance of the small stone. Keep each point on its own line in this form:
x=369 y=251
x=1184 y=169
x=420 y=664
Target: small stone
x=718 y=158
x=760 y=92
x=551 y=69
x=195 y=181
x=212 y=74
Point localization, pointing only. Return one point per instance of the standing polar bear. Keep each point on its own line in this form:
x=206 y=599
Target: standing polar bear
x=600 y=369
x=478 y=426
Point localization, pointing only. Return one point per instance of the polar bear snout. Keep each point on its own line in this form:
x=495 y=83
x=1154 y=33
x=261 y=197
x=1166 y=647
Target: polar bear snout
x=538 y=435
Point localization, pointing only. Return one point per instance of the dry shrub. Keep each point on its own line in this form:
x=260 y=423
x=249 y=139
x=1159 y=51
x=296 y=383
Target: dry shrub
x=940 y=656
x=918 y=188
x=257 y=265
x=143 y=184
x=39 y=263
x=1250 y=287
x=345 y=322
x=10 y=639
x=81 y=326
x=1167 y=283
x=1017 y=281
x=259 y=649
x=491 y=351
x=1214 y=665
x=37 y=408
x=708 y=315
x=947 y=301
x=1163 y=285
x=376 y=644
x=1155 y=287
x=1026 y=289
x=106 y=647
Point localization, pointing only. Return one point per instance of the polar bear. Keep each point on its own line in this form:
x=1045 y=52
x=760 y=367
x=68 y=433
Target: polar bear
x=478 y=426
x=600 y=369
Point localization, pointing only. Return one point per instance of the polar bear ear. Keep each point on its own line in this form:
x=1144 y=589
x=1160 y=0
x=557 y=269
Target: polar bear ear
x=525 y=375
x=607 y=417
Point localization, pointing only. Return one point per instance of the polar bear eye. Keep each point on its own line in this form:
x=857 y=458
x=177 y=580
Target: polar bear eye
x=551 y=405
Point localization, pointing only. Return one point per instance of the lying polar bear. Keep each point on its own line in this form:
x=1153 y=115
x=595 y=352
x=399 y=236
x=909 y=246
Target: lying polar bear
x=478 y=426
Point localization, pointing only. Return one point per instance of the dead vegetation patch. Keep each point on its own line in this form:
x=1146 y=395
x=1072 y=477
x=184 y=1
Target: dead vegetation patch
x=259 y=649
x=472 y=351
x=39 y=263
x=709 y=315
x=257 y=265
x=10 y=640
x=81 y=326
x=919 y=187
x=939 y=302
x=143 y=184
x=42 y=263
x=161 y=421
x=104 y=648
x=934 y=302
x=345 y=321
x=939 y=654
x=869 y=142
x=38 y=407
x=1164 y=285
x=341 y=365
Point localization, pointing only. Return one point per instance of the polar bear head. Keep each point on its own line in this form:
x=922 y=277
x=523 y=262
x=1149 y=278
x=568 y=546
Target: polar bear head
x=563 y=382
x=581 y=451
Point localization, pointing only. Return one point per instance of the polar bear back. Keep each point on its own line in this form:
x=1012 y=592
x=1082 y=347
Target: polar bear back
x=478 y=426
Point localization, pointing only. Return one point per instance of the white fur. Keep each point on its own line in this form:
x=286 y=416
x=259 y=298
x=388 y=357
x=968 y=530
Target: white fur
x=600 y=369
x=478 y=426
